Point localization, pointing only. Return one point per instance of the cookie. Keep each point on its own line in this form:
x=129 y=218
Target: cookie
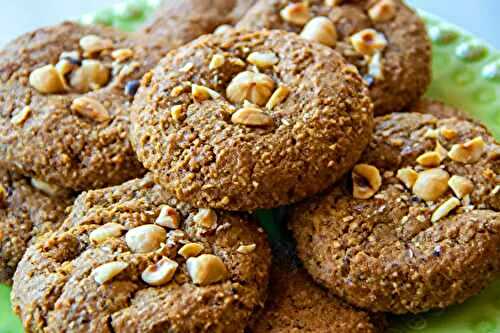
x=416 y=226
x=250 y=120
x=64 y=105
x=132 y=259
x=28 y=209
x=384 y=39
x=438 y=109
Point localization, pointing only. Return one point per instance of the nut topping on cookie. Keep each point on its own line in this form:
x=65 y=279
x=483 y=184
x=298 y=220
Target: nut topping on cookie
x=430 y=159
x=320 y=29
x=108 y=271
x=382 y=11
x=251 y=116
x=333 y=3
x=3 y=194
x=431 y=184
x=49 y=189
x=469 y=152
x=246 y=249
x=109 y=230
x=177 y=113
x=146 y=238
x=160 y=273
x=206 y=217
x=263 y=59
x=366 y=181
x=408 y=176
x=254 y=87
x=22 y=116
x=461 y=186
x=296 y=13
x=190 y=250
x=277 y=97
x=90 y=108
x=445 y=209
x=47 y=80
x=448 y=133
x=216 y=62
x=169 y=217
x=206 y=269
x=368 y=42
x=201 y=93
x=92 y=44
x=122 y=55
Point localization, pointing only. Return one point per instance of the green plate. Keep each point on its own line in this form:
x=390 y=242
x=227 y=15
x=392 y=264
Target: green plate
x=466 y=73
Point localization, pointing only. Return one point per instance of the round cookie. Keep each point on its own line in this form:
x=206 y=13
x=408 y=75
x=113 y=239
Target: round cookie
x=410 y=230
x=438 y=109
x=217 y=132
x=26 y=212
x=70 y=130
x=384 y=39
x=142 y=237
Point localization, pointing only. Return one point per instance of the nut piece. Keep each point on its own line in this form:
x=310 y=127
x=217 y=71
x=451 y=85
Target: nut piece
x=168 y=217
x=160 y=273
x=49 y=189
x=296 y=13
x=445 y=209
x=429 y=160
x=22 y=116
x=206 y=269
x=92 y=75
x=216 y=62
x=469 y=152
x=408 y=176
x=382 y=11
x=448 y=133
x=366 y=181
x=146 y=238
x=92 y=44
x=368 y=42
x=107 y=272
x=277 y=97
x=251 y=116
x=246 y=249
x=190 y=250
x=461 y=186
x=201 y=93
x=3 y=194
x=221 y=29
x=47 y=80
x=65 y=66
x=320 y=29
x=122 y=55
x=263 y=59
x=254 y=87
x=90 y=108
x=441 y=151
x=376 y=66
x=109 y=230
x=431 y=184
x=206 y=217
x=333 y=3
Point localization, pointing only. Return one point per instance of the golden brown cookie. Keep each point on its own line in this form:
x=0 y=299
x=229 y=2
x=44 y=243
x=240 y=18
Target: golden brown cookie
x=131 y=258
x=416 y=226
x=384 y=39
x=250 y=120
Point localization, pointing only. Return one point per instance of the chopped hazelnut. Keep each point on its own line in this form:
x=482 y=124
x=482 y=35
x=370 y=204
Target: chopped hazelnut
x=3 y=194
x=177 y=113
x=469 y=152
x=296 y=13
x=408 y=176
x=122 y=55
x=263 y=59
x=441 y=151
x=366 y=181
x=277 y=97
x=92 y=44
x=201 y=93
x=190 y=250
x=445 y=209
x=429 y=160
x=382 y=11
x=431 y=184
x=206 y=217
x=146 y=238
x=461 y=186
x=90 y=108
x=49 y=189
x=169 y=217
x=431 y=134
x=368 y=42
x=91 y=75
x=254 y=87
x=108 y=230
x=108 y=271
x=251 y=116
x=216 y=62
x=375 y=66
x=160 y=273
x=22 y=116
x=47 y=80
x=246 y=249
x=206 y=269
x=320 y=29
x=187 y=67
x=448 y=133
x=333 y=3
x=221 y=29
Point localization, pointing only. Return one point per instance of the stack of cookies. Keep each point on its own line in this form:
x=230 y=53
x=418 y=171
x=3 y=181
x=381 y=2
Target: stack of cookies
x=131 y=164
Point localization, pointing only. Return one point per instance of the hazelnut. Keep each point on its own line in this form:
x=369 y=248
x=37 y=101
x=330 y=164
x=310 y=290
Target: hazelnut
x=254 y=87
x=246 y=249
x=201 y=93
x=72 y=56
x=177 y=113
x=366 y=181
x=49 y=189
x=277 y=97
x=160 y=273
x=263 y=59
x=91 y=75
x=90 y=108
x=22 y=116
x=221 y=29
x=65 y=66
x=408 y=176
x=333 y=3
x=216 y=62
x=251 y=116
x=107 y=272
x=146 y=238
x=296 y=13
x=461 y=186
x=109 y=230
x=190 y=250
x=444 y=209
x=429 y=160
x=469 y=152
x=92 y=44
x=320 y=29
x=206 y=217
x=431 y=134
x=368 y=42
x=448 y=133
x=47 y=80
x=122 y=55
x=441 y=151
x=187 y=67
x=206 y=269
x=168 y=217
x=382 y=11
x=3 y=194
x=431 y=184
x=375 y=66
